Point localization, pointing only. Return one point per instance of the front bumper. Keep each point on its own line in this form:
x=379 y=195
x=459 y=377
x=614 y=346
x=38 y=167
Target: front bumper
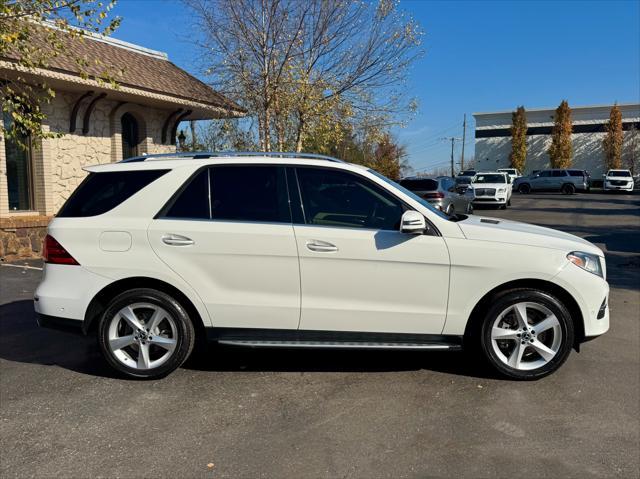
x=628 y=187
x=490 y=200
x=591 y=293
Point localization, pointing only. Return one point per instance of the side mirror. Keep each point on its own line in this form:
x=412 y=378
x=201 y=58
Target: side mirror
x=412 y=222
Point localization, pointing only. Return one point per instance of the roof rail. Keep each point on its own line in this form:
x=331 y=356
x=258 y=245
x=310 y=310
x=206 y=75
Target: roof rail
x=199 y=155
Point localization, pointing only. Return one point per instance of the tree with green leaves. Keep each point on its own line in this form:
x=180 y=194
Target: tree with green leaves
x=561 y=149
x=31 y=33
x=518 y=156
x=612 y=142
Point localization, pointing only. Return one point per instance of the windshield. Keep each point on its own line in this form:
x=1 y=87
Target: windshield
x=411 y=194
x=465 y=180
x=619 y=173
x=467 y=173
x=494 y=178
x=420 y=184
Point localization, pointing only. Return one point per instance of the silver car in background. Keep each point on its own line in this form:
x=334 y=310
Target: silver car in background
x=440 y=192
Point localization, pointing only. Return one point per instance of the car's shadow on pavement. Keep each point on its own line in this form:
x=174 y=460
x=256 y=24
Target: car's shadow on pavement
x=21 y=340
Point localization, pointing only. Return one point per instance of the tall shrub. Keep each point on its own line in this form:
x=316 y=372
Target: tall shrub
x=518 y=155
x=613 y=139
x=561 y=149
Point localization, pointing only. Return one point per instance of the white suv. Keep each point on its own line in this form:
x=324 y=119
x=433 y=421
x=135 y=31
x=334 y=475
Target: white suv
x=305 y=251
x=618 y=180
x=491 y=188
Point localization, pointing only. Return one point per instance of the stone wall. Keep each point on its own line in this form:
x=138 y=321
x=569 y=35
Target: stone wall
x=102 y=144
x=21 y=237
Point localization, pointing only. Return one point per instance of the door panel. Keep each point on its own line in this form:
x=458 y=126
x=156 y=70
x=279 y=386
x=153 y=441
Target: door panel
x=228 y=233
x=379 y=281
x=246 y=274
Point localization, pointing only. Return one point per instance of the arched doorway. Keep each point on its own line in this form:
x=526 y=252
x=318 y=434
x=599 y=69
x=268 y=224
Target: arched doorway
x=130 y=136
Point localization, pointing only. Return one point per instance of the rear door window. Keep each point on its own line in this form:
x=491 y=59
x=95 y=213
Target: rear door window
x=576 y=173
x=249 y=193
x=192 y=201
x=558 y=173
x=234 y=193
x=101 y=192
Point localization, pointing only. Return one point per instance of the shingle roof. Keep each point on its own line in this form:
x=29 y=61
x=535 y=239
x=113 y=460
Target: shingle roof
x=132 y=67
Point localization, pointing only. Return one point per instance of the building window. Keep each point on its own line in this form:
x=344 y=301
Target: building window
x=19 y=169
x=130 y=136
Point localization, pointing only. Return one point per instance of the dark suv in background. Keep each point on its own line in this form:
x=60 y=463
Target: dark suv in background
x=568 y=181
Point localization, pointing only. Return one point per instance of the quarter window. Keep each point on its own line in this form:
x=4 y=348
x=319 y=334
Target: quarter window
x=341 y=199
x=101 y=192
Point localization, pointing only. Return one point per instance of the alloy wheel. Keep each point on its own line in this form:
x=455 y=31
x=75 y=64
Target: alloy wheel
x=142 y=336
x=526 y=336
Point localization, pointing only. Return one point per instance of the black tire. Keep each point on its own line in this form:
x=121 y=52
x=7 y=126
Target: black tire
x=501 y=303
x=184 y=332
x=568 y=189
x=451 y=210
x=524 y=188
x=509 y=202
x=470 y=208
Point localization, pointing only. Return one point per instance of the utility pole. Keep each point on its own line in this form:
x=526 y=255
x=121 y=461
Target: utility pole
x=464 y=136
x=453 y=139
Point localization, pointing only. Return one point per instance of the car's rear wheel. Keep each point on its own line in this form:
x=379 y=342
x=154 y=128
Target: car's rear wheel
x=526 y=334
x=451 y=210
x=524 y=189
x=568 y=189
x=145 y=333
x=470 y=208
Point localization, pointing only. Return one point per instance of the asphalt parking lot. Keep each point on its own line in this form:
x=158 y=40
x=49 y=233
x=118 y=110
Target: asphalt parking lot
x=262 y=413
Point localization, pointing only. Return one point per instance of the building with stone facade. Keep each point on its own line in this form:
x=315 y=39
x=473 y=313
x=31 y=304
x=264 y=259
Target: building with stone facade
x=99 y=123
x=493 y=137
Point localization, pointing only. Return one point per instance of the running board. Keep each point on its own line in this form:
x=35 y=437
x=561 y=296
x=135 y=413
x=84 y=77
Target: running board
x=295 y=338
x=338 y=345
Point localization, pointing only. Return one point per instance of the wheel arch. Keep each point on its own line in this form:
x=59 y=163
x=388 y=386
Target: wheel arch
x=477 y=314
x=99 y=302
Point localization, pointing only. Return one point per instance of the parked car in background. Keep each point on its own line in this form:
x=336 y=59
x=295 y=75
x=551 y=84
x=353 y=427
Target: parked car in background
x=467 y=173
x=491 y=187
x=303 y=251
x=566 y=181
x=512 y=172
x=441 y=192
x=618 y=180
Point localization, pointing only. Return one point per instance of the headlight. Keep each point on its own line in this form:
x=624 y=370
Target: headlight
x=589 y=262
x=502 y=190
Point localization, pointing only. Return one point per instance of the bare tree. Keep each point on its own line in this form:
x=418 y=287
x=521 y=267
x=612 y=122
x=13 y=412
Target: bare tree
x=300 y=65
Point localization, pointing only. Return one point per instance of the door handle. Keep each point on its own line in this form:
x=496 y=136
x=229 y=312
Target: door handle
x=176 y=240
x=321 y=246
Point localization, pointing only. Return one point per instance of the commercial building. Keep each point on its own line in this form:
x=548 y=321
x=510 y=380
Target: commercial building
x=493 y=137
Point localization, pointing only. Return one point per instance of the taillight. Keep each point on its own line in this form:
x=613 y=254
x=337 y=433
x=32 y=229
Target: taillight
x=54 y=253
x=435 y=195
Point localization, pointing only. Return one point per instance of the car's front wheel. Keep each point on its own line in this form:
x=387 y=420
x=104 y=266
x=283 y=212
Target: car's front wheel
x=526 y=334
x=145 y=333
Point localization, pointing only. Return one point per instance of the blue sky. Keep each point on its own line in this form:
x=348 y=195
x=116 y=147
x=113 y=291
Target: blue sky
x=479 y=56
